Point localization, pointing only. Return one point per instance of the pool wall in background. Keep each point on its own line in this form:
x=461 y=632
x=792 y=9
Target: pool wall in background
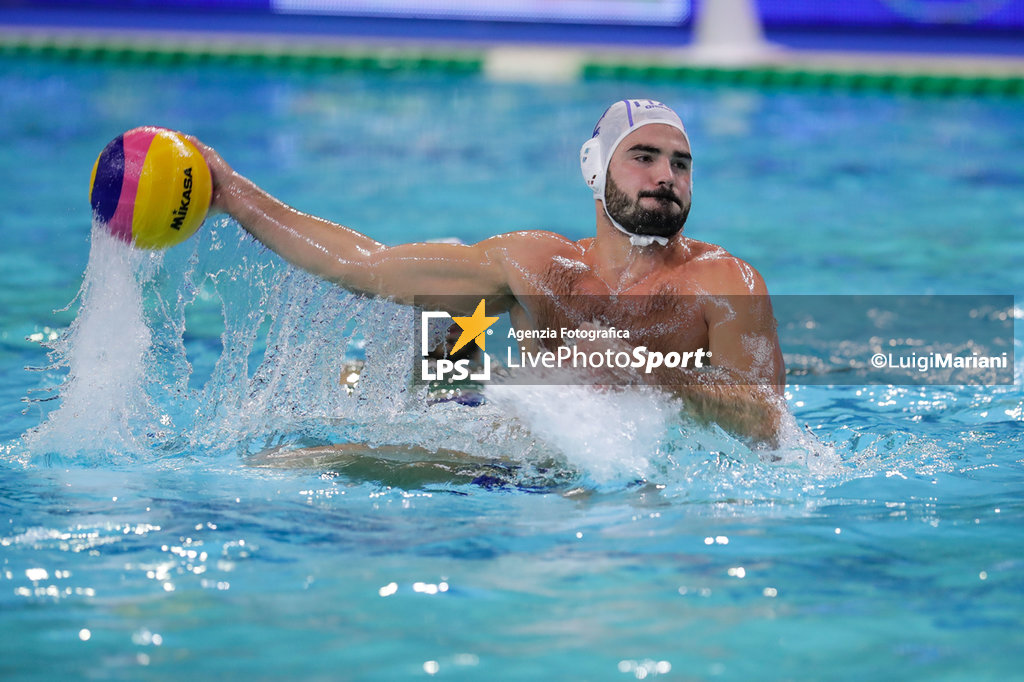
x=973 y=14
x=839 y=72
x=931 y=26
x=948 y=47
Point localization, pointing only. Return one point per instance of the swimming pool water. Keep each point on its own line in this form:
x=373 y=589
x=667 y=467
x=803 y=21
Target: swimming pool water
x=141 y=539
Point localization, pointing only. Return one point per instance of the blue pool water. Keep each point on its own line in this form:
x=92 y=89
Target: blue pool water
x=144 y=536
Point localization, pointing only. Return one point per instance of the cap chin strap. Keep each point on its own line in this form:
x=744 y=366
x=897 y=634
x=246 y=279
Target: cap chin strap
x=635 y=239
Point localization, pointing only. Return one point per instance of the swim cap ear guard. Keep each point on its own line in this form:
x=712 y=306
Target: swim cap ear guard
x=618 y=121
x=593 y=166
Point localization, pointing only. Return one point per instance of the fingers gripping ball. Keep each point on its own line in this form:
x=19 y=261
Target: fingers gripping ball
x=151 y=187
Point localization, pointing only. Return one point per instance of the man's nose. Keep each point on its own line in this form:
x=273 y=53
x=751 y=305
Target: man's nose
x=663 y=174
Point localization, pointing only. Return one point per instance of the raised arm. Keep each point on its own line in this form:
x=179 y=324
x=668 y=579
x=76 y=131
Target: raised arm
x=355 y=261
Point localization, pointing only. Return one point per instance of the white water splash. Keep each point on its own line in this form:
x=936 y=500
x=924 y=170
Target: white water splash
x=286 y=341
x=609 y=434
x=104 y=406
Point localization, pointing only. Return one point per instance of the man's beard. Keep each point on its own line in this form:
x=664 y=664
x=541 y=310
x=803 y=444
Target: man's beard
x=659 y=222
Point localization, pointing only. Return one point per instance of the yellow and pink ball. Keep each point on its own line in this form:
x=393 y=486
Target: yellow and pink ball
x=151 y=187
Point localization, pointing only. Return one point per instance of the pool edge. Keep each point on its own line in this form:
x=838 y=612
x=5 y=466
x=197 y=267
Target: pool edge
x=915 y=74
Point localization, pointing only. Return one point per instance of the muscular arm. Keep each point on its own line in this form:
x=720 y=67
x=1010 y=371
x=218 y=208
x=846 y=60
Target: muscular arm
x=743 y=390
x=355 y=261
x=739 y=404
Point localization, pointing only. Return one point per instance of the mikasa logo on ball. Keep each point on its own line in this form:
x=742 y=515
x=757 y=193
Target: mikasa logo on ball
x=186 y=199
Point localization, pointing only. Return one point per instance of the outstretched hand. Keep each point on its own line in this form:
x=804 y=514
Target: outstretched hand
x=221 y=174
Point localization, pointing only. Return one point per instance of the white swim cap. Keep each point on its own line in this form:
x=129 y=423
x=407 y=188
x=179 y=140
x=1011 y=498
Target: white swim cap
x=619 y=120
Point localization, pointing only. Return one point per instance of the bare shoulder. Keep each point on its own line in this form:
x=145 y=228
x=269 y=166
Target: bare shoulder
x=721 y=272
x=542 y=240
x=527 y=248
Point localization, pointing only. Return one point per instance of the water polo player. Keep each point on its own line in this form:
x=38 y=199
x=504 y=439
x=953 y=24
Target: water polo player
x=638 y=164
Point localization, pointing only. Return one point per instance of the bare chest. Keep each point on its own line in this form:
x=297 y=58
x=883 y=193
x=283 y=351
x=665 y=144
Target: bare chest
x=658 y=312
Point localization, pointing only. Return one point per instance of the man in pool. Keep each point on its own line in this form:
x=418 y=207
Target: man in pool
x=638 y=164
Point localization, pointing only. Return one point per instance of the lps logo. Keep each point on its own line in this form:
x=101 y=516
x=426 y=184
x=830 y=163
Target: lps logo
x=474 y=330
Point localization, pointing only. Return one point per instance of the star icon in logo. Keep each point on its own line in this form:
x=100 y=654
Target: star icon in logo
x=473 y=327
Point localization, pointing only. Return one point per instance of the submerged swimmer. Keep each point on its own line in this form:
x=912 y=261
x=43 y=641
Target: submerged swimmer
x=693 y=295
